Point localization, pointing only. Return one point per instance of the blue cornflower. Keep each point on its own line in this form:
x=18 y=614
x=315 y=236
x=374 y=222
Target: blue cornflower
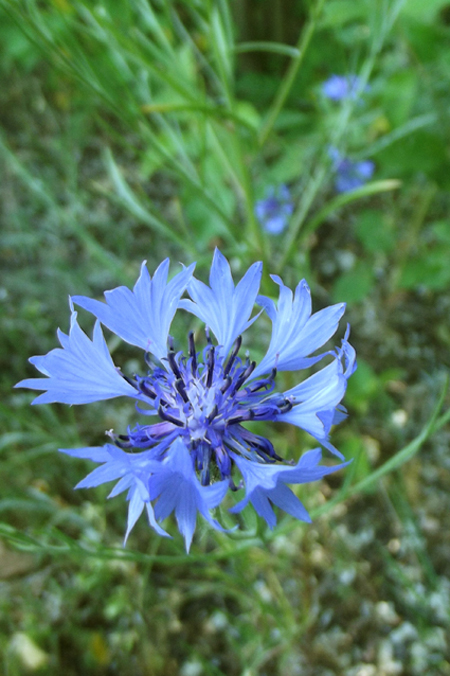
x=188 y=459
x=349 y=174
x=339 y=87
x=274 y=211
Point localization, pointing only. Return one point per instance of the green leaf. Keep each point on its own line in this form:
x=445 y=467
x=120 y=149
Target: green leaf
x=399 y=95
x=431 y=270
x=355 y=285
x=374 y=231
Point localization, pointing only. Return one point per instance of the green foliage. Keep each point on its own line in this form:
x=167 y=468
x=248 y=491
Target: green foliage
x=428 y=266
x=139 y=129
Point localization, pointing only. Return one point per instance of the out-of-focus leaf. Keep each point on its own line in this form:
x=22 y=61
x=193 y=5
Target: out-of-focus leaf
x=353 y=286
x=374 y=231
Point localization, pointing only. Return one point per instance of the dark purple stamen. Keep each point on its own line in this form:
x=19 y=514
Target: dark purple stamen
x=213 y=414
x=179 y=384
x=265 y=383
x=241 y=380
x=233 y=355
x=173 y=364
x=226 y=384
x=146 y=390
x=285 y=406
x=192 y=353
x=170 y=418
x=211 y=361
x=130 y=381
x=249 y=414
x=206 y=460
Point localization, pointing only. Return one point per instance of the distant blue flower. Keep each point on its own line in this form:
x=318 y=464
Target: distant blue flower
x=188 y=459
x=339 y=87
x=349 y=174
x=274 y=211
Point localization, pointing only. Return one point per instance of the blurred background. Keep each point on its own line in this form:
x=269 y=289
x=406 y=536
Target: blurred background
x=314 y=136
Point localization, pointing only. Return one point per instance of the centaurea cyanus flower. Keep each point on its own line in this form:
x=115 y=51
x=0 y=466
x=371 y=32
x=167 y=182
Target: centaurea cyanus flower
x=341 y=87
x=203 y=401
x=350 y=175
x=274 y=211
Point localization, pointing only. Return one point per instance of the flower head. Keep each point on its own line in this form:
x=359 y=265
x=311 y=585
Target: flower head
x=201 y=401
x=274 y=211
x=340 y=87
x=350 y=175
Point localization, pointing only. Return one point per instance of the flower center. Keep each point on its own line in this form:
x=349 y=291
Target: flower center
x=205 y=403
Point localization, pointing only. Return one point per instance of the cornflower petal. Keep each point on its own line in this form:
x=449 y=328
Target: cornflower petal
x=135 y=508
x=80 y=372
x=131 y=469
x=179 y=490
x=224 y=308
x=142 y=317
x=296 y=333
x=265 y=484
x=317 y=398
x=316 y=415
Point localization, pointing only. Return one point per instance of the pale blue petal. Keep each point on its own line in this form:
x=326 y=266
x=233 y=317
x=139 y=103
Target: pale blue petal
x=142 y=317
x=135 y=509
x=163 y=485
x=316 y=383
x=262 y=507
x=296 y=333
x=177 y=488
x=186 y=514
x=225 y=309
x=308 y=469
x=122 y=485
x=101 y=475
x=80 y=372
x=320 y=327
x=320 y=395
x=267 y=482
x=152 y=521
x=239 y=506
x=284 y=498
x=95 y=453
